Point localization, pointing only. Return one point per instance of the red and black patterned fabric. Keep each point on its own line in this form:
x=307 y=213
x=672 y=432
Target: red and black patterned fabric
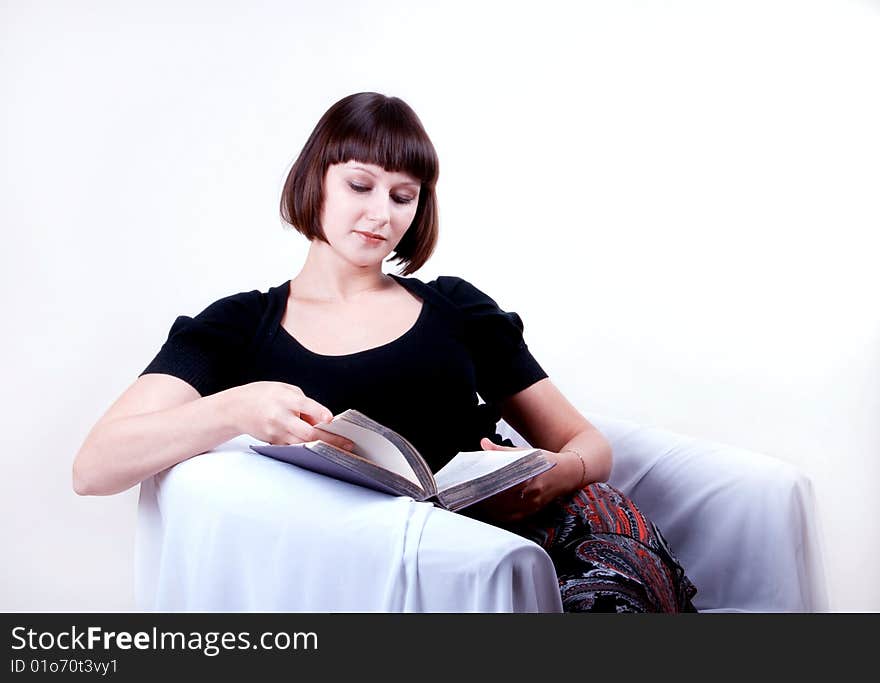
x=608 y=556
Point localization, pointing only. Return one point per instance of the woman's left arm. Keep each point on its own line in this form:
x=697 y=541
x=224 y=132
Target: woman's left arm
x=547 y=420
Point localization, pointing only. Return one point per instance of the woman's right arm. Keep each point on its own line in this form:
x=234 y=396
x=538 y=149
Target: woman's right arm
x=161 y=420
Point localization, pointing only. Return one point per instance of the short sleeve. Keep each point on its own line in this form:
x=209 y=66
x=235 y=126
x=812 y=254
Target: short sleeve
x=502 y=360
x=209 y=350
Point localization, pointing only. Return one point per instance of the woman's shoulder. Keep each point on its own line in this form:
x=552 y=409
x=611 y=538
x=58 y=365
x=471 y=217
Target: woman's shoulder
x=242 y=306
x=460 y=292
x=494 y=334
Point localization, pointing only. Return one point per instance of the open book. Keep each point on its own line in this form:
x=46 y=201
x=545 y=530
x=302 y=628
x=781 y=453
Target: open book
x=385 y=461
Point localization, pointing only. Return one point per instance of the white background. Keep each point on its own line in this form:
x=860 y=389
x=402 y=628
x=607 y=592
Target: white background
x=679 y=198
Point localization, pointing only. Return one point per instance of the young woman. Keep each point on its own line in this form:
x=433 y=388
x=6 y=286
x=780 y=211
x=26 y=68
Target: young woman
x=343 y=334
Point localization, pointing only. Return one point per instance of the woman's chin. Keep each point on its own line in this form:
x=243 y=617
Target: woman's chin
x=362 y=261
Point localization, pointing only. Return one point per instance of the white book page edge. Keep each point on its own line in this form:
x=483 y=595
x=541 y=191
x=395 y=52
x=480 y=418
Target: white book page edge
x=373 y=447
x=473 y=464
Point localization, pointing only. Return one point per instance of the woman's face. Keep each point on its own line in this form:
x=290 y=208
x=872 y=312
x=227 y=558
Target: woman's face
x=362 y=200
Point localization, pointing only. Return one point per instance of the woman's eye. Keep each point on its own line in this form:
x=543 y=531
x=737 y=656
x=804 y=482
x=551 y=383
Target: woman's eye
x=398 y=199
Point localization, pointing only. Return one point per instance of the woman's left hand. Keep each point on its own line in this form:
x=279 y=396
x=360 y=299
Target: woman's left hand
x=527 y=498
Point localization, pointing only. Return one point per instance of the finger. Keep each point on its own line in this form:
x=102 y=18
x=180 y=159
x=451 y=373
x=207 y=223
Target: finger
x=521 y=493
x=335 y=439
x=489 y=445
x=312 y=412
x=300 y=432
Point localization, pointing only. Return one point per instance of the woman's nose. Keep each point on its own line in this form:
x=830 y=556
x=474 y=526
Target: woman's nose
x=378 y=209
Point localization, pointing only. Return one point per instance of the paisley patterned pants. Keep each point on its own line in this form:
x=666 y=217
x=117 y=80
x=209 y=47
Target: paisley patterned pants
x=608 y=556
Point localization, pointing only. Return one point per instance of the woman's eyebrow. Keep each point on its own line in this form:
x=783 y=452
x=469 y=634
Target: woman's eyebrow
x=405 y=182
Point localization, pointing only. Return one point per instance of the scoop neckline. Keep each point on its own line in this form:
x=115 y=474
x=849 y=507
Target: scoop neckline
x=285 y=289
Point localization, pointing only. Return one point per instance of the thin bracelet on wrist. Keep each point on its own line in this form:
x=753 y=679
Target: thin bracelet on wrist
x=583 y=466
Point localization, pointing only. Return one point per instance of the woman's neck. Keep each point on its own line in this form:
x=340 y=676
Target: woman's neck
x=327 y=278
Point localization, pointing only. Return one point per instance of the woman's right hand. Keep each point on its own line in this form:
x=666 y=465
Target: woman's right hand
x=282 y=414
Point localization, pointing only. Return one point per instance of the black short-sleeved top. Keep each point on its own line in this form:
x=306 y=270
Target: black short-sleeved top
x=423 y=385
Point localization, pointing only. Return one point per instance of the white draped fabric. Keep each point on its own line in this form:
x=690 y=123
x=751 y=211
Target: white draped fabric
x=231 y=530
x=743 y=524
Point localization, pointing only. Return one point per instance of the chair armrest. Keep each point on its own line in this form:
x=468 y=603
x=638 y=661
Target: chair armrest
x=742 y=523
x=231 y=530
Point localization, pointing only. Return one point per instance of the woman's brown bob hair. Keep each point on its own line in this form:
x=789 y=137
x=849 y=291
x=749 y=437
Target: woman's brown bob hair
x=373 y=129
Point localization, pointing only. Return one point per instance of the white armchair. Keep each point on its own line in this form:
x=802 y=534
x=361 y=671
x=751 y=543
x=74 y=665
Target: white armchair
x=234 y=531
x=742 y=524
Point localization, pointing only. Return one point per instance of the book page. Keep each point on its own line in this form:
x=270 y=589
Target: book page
x=473 y=464
x=323 y=458
x=373 y=447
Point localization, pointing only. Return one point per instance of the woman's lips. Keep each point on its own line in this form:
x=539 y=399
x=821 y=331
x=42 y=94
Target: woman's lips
x=370 y=238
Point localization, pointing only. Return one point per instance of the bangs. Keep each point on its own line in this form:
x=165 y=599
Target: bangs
x=387 y=135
